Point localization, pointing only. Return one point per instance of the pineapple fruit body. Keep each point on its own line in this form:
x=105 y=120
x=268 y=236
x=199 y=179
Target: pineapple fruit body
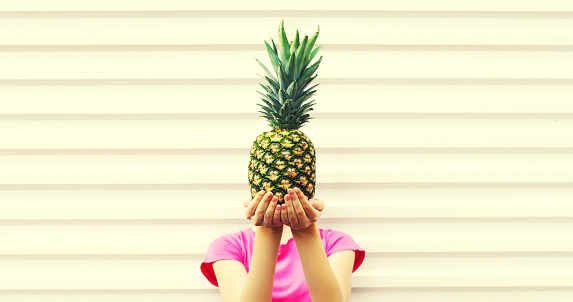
x=282 y=159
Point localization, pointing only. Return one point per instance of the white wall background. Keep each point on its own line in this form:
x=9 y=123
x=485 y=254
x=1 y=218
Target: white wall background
x=444 y=136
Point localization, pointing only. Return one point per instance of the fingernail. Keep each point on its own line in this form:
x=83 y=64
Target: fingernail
x=274 y=199
x=287 y=197
x=262 y=192
x=297 y=189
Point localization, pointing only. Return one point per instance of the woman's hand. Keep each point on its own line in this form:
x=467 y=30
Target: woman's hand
x=258 y=218
x=298 y=212
x=263 y=210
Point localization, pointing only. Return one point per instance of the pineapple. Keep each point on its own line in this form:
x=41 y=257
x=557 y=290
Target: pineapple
x=284 y=157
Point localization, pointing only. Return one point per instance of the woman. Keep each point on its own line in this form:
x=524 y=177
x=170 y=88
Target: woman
x=284 y=256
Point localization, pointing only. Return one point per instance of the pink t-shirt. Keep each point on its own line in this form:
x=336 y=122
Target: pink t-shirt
x=290 y=283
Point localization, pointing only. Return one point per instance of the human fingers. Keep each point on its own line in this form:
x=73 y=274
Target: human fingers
x=311 y=213
x=252 y=206
x=277 y=215
x=270 y=213
x=247 y=200
x=284 y=215
x=261 y=209
x=306 y=206
x=314 y=203
x=317 y=204
x=297 y=200
x=306 y=215
x=292 y=218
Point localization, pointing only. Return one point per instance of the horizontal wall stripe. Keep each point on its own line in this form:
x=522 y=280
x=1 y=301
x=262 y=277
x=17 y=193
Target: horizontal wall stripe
x=394 y=294
x=238 y=47
x=207 y=151
x=168 y=282
x=348 y=162
x=348 y=186
x=396 y=264
x=401 y=200
x=251 y=116
x=200 y=256
x=158 y=212
x=241 y=65
x=456 y=232
x=453 y=133
x=393 y=265
x=126 y=5
x=277 y=13
x=389 y=195
x=93 y=101
x=325 y=220
x=177 y=281
x=339 y=168
x=78 y=245
x=348 y=33
x=337 y=81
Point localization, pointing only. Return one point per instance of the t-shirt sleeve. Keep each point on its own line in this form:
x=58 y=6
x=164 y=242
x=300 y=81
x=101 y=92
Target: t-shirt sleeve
x=225 y=247
x=337 y=241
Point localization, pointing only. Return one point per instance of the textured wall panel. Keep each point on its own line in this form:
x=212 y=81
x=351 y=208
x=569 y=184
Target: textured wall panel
x=443 y=130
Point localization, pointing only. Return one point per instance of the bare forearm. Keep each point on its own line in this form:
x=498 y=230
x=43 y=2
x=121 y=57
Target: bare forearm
x=320 y=278
x=259 y=283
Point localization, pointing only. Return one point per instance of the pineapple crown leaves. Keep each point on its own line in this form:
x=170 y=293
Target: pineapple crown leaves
x=286 y=102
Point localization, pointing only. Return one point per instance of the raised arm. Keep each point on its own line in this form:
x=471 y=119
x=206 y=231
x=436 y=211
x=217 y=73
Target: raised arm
x=235 y=284
x=328 y=278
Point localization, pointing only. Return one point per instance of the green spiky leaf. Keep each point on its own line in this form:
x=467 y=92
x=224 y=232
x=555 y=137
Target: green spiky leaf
x=295 y=43
x=272 y=84
x=284 y=44
x=273 y=56
x=290 y=67
x=283 y=79
x=314 y=52
x=311 y=42
x=291 y=88
x=274 y=103
x=289 y=92
x=300 y=53
x=266 y=70
x=274 y=46
x=309 y=71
